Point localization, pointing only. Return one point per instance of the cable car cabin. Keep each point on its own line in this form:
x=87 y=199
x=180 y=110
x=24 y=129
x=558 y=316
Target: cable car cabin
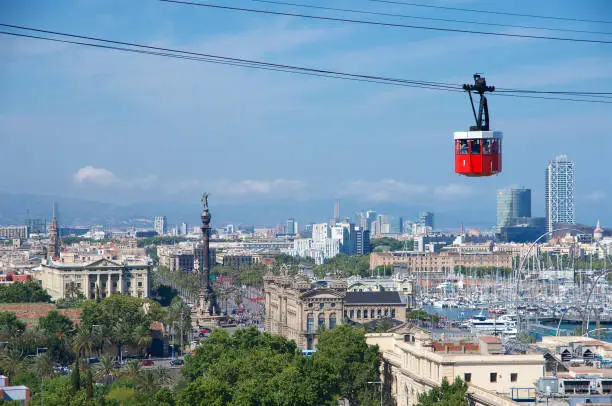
x=478 y=153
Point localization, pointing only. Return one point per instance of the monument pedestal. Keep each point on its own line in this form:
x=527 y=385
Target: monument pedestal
x=204 y=314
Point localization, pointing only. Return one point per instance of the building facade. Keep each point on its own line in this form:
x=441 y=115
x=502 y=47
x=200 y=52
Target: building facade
x=160 y=225
x=297 y=308
x=13 y=232
x=559 y=192
x=511 y=204
x=444 y=261
x=100 y=278
x=362 y=241
x=414 y=363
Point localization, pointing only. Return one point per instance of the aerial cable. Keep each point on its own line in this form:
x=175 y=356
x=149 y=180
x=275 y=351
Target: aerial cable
x=470 y=10
x=201 y=57
x=385 y=24
x=448 y=20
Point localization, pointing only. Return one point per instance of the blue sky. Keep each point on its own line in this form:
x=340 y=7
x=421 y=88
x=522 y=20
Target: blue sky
x=119 y=127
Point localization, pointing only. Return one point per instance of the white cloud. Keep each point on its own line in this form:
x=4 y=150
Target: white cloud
x=102 y=177
x=259 y=187
x=596 y=196
x=390 y=190
x=94 y=176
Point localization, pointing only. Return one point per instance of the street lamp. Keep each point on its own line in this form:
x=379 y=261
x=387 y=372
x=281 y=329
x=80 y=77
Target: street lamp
x=381 y=389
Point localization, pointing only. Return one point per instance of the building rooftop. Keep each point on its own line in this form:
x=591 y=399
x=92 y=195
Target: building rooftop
x=370 y=298
x=490 y=339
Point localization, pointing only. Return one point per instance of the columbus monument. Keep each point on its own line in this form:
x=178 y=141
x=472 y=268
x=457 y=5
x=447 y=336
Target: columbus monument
x=207 y=309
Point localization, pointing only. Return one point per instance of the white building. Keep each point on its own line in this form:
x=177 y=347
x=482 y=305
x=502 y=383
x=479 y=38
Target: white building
x=160 y=225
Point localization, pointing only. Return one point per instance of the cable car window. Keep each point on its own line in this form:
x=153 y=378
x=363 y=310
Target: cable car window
x=462 y=146
x=486 y=147
x=494 y=146
x=475 y=147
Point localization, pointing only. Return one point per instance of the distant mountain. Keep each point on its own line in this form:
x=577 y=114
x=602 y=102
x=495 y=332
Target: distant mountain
x=14 y=209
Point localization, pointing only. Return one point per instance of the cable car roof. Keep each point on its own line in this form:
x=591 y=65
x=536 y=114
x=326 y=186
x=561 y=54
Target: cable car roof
x=468 y=135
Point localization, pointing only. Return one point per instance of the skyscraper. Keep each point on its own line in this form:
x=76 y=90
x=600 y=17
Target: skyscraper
x=291 y=227
x=426 y=219
x=559 y=192
x=336 y=217
x=512 y=203
x=160 y=225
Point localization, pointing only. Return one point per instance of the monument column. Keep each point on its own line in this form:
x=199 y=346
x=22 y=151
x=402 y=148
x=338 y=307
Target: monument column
x=109 y=285
x=98 y=285
x=120 y=283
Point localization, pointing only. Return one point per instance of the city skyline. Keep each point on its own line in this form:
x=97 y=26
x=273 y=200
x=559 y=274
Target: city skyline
x=113 y=99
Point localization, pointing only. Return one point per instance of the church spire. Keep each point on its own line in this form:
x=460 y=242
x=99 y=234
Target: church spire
x=54 y=237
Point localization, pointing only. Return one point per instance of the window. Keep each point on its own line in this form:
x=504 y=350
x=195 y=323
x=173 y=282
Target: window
x=393 y=313
x=332 y=320
x=79 y=285
x=486 y=147
x=462 y=147
x=309 y=304
x=513 y=377
x=321 y=305
x=467 y=377
x=386 y=312
x=345 y=314
x=321 y=320
x=139 y=283
x=475 y=146
x=365 y=313
x=372 y=313
x=310 y=323
x=379 y=312
x=352 y=314
x=494 y=145
x=332 y=304
x=493 y=377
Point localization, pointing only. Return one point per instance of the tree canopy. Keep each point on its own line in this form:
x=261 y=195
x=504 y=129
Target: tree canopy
x=344 y=266
x=253 y=368
x=390 y=244
x=23 y=292
x=445 y=394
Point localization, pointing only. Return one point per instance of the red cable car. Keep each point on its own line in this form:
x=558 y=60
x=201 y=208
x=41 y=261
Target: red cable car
x=478 y=152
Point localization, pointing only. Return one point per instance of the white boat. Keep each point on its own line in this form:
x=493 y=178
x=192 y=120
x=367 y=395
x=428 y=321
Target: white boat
x=480 y=323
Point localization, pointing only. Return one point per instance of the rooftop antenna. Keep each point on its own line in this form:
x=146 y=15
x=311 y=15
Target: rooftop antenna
x=480 y=87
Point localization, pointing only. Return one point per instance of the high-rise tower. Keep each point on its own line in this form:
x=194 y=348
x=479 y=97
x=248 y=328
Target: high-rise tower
x=512 y=203
x=559 y=192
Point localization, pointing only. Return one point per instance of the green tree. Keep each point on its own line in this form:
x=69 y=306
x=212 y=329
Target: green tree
x=10 y=326
x=89 y=383
x=445 y=394
x=353 y=359
x=23 y=292
x=75 y=377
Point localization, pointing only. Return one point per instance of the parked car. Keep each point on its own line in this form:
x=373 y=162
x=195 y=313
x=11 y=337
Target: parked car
x=147 y=363
x=176 y=362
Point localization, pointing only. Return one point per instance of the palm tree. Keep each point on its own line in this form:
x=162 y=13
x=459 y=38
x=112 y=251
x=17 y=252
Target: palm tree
x=11 y=361
x=121 y=333
x=142 y=337
x=72 y=290
x=106 y=370
x=43 y=366
x=132 y=369
x=82 y=343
